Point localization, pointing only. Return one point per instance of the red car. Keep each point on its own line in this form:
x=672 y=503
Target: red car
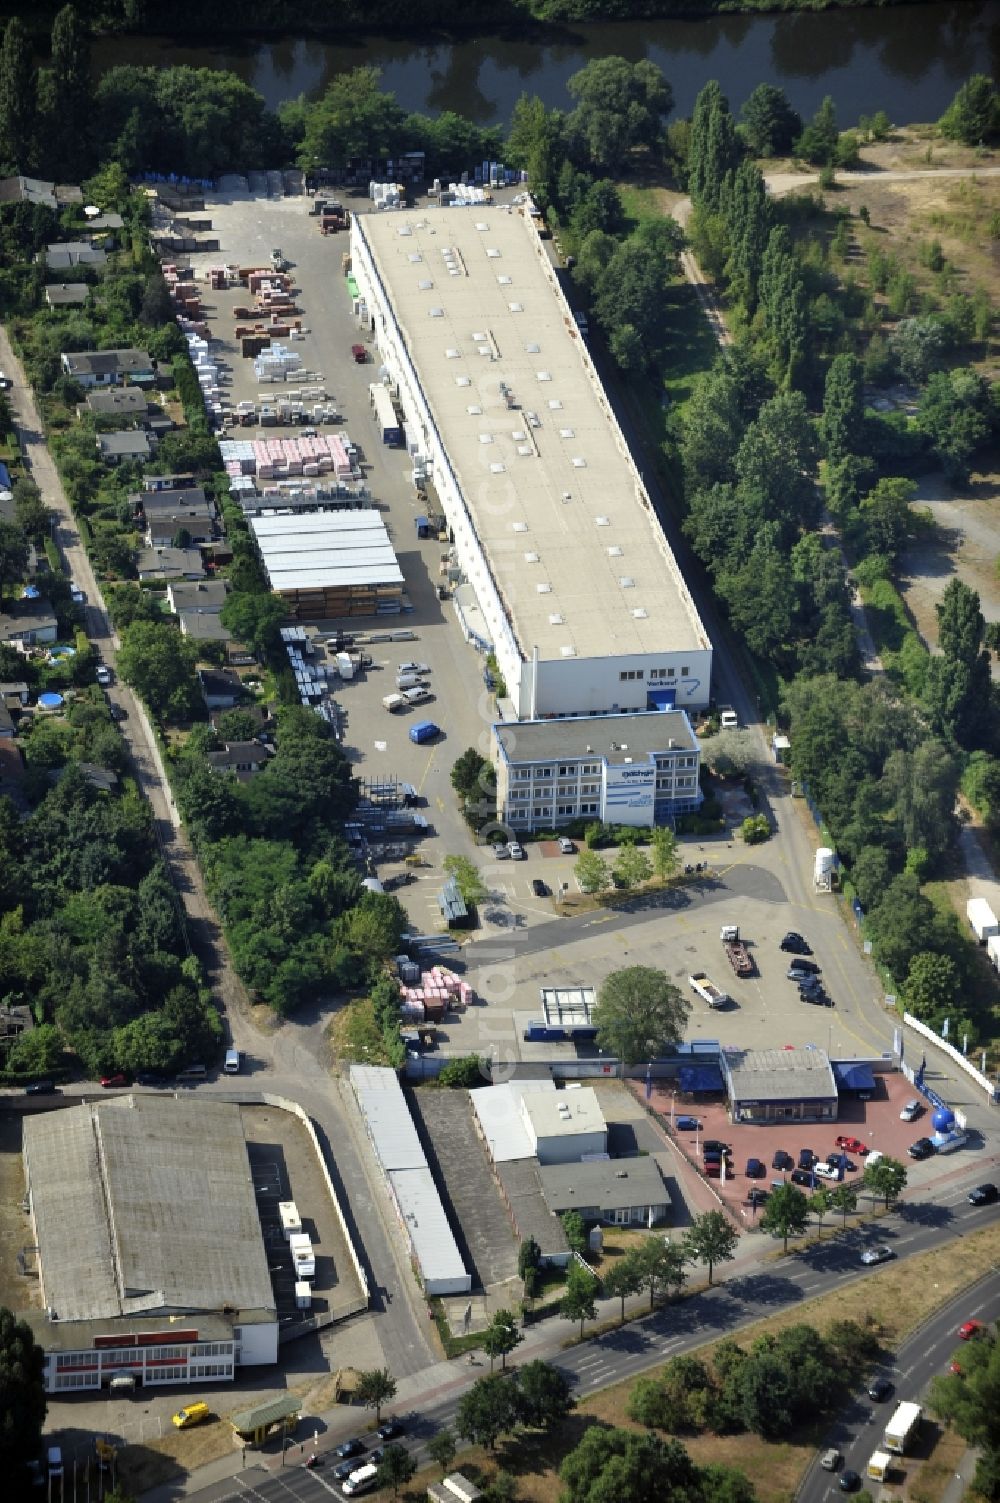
x=970 y=1328
x=109 y=1082
x=360 y=353
x=852 y=1145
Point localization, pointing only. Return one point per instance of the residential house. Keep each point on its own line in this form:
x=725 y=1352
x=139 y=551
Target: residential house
x=161 y=530
x=202 y=626
x=105 y=222
x=208 y=596
x=30 y=623
x=128 y=445
x=241 y=759
x=621 y=1192
x=220 y=688
x=154 y=503
x=32 y=190
x=66 y=294
x=170 y=563
x=119 y=401
x=169 y=483
x=69 y=253
x=15 y=694
x=109 y=367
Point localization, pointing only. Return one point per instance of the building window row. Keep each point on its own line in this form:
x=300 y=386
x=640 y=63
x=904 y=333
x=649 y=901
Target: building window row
x=76 y=1380
x=82 y=1359
x=211 y=1369
x=166 y=1374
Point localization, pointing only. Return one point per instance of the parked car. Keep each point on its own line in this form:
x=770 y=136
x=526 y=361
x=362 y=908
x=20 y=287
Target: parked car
x=851 y=1145
x=982 y=1195
x=103 y=676
x=782 y=1160
x=687 y=1124
x=801 y=964
x=876 y=1254
x=830 y=1460
x=516 y=851
x=826 y=1171
x=849 y=1481
x=150 y=1078
x=795 y=944
x=112 y=1082
x=716 y=1145
x=77 y=595
x=539 y=888
x=416 y=668
x=40 y=1088
x=352 y=1447
x=391 y=1429
x=755 y=1169
x=343 y=1469
x=804 y=1178
x=501 y=852
x=911 y=1110
x=567 y=846
x=923 y=1148
x=879 y=1389
x=756 y=1197
x=806 y=1158
x=359 y=353
x=970 y=1328
x=118 y=712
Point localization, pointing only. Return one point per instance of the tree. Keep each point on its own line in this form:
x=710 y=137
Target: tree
x=844 y=1198
x=68 y=124
x=579 y=1301
x=632 y=867
x=442 y=1448
x=591 y=872
x=819 y=1205
x=575 y=1230
x=748 y=220
x=255 y=619
x=958 y=680
x=714 y=150
x=465 y=1072
x=887 y=516
x=158 y=663
x=786 y=1213
x=886 y=1179
x=660 y=1264
x=614 y=1464
x=623 y=1279
x=711 y=1238
x=619 y=106
x=376 y=1386
x=730 y=753
x=970 y=1402
x=488 y=1410
x=841 y=426
x=13 y=554
x=639 y=1013
x=769 y=124
x=17 y=97
x=470 y=774
x=818 y=142
x=529 y=1261
x=466 y=874
x=396 y=1468
x=354 y=118
x=972 y=115
x=22 y=1401
x=665 y=857
x=544 y=1395
x=501 y=1337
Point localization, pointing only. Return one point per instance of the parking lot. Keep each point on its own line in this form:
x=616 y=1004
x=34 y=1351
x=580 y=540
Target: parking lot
x=377 y=741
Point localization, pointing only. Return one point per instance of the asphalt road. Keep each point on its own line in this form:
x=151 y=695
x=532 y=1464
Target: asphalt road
x=630 y=1350
x=858 y=1431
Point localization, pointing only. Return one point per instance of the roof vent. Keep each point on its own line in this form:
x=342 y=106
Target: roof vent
x=602 y=521
x=556 y=619
x=640 y=613
x=614 y=551
x=520 y=526
x=568 y=651
x=621 y=1174
x=544 y=589
x=626 y=581
x=531 y=558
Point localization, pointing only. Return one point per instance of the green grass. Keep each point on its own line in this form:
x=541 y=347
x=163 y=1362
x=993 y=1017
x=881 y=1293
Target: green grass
x=897 y=641
x=641 y=204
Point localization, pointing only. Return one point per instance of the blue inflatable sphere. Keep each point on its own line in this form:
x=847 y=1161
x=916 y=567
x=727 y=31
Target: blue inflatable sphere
x=943 y=1120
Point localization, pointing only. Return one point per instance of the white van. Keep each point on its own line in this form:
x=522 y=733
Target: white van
x=232 y=1065
x=361 y=1481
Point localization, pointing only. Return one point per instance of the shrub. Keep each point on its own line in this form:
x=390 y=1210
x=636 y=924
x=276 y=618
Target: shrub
x=756 y=829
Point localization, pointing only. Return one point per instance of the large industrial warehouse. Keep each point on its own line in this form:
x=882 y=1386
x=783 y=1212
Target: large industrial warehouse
x=577 y=590
x=329 y=564
x=150 y=1253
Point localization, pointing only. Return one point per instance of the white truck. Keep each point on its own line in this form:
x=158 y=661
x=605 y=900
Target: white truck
x=393 y=702
x=303 y=1257
x=728 y=718
x=708 y=991
x=291 y=1221
x=982 y=920
x=901 y=1429
x=880 y=1464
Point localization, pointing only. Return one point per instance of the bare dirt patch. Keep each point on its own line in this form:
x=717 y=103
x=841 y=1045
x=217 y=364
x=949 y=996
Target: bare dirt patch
x=965 y=543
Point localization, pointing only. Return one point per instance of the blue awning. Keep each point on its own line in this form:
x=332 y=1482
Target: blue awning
x=700 y=1080
x=854 y=1077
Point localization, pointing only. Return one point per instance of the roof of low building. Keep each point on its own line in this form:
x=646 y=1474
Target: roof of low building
x=238 y=754
x=220 y=681
x=66 y=294
x=133 y=1216
x=31 y=615
x=119 y=399
x=109 y=362
x=778 y=1074
x=565 y=1113
x=203 y=626
x=498 y=1110
x=127 y=442
x=74 y=253
x=522 y=1192
x=617 y=739
x=609 y=1184
x=199 y=595
x=267 y=1412
x=81 y=1335
x=170 y=563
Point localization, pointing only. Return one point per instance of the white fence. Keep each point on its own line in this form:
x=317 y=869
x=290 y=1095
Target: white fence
x=953 y=1054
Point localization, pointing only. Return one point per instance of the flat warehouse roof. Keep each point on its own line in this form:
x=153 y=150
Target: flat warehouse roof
x=575 y=548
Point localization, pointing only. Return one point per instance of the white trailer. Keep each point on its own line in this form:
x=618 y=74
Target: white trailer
x=902 y=1428
x=707 y=990
x=993 y=950
x=303 y=1257
x=291 y=1221
x=982 y=919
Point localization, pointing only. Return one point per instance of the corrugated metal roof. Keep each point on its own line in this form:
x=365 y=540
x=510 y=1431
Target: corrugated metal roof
x=427 y=1227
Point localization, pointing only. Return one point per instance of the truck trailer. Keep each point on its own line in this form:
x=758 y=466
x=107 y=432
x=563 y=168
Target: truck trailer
x=982 y=920
x=739 y=956
x=902 y=1428
x=707 y=990
x=880 y=1464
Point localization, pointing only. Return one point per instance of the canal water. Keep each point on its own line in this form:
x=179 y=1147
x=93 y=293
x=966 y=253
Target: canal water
x=905 y=59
